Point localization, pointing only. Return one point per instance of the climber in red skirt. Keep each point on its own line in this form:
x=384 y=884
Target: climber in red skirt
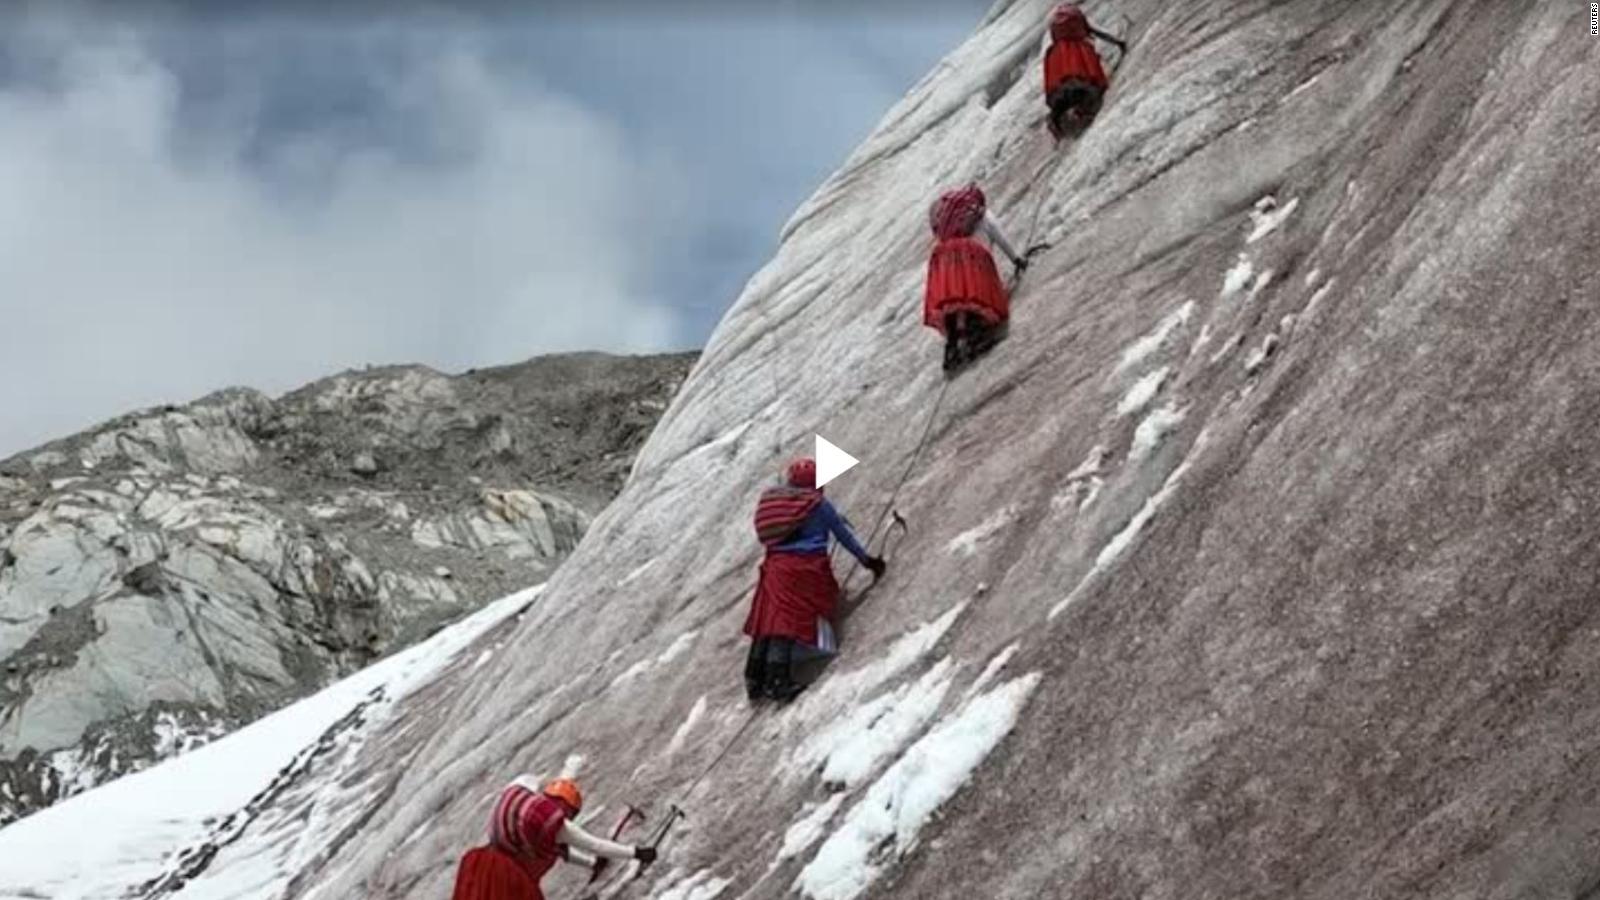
x=797 y=597
x=964 y=299
x=530 y=830
x=1074 y=80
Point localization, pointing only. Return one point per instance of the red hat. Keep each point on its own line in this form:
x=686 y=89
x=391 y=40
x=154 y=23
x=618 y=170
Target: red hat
x=803 y=473
x=957 y=213
x=1068 y=23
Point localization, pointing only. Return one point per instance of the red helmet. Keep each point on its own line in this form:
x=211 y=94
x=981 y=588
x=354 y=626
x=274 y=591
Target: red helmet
x=957 y=213
x=1068 y=23
x=803 y=473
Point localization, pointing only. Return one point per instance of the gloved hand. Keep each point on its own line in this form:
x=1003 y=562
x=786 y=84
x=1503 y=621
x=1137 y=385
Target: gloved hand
x=645 y=855
x=876 y=566
x=1021 y=263
x=600 y=866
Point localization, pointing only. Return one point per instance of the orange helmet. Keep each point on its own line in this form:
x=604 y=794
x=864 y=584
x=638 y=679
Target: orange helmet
x=565 y=790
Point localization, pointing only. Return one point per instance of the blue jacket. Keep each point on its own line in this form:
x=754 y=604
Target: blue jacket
x=813 y=534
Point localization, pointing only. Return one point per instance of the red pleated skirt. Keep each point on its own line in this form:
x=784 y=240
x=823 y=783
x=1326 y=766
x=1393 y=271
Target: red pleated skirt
x=486 y=873
x=794 y=589
x=1073 y=59
x=962 y=278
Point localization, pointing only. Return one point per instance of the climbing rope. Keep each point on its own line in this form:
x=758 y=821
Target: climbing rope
x=748 y=721
x=888 y=506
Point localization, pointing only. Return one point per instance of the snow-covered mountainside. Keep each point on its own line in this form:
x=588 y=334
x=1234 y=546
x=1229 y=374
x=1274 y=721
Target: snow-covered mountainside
x=156 y=832
x=174 y=573
x=1257 y=562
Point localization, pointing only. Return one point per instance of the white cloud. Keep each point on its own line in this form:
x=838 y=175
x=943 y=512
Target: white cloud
x=146 y=259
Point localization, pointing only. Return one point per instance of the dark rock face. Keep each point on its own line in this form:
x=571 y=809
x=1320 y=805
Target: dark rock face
x=174 y=573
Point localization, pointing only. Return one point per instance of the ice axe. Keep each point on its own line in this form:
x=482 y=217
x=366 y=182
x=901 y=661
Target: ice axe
x=654 y=841
x=629 y=813
x=660 y=834
x=898 y=521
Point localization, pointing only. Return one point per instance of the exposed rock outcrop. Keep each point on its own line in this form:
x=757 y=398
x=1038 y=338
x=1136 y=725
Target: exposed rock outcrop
x=178 y=571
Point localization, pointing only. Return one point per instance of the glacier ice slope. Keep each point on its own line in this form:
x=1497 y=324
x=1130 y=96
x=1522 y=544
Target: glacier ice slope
x=1331 y=635
x=1329 y=632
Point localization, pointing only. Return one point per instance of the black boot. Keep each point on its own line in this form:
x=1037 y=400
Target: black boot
x=958 y=350
x=953 y=324
x=755 y=670
x=952 y=354
x=982 y=340
x=781 y=685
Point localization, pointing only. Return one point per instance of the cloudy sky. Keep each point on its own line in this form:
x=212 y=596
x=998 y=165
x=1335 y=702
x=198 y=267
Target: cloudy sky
x=191 y=199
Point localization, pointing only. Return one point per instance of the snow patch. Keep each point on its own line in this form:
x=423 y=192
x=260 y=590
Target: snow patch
x=72 y=772
x=992 y=670
x=1304 y=85
x=173 y=738
x=632 y=672
x=1091 y=463
x=682 y=734
x=851 y=748
x=823 y=702
x=1141 y=349
x=1231 y=345
x=1093 y=491
x=809 y=828
x=1266 y=217
x=1237 y=277
x=1259 y=356
x=1317 y=298
x=966 y=543
x=1153 y=429
x=1124 y=539
x=1083 y=483
x=1143 y=391
x=677 y=648
x=900 y=803
x=1261 y=282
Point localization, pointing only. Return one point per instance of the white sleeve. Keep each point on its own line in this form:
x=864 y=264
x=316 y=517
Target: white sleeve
x=992 y=229
x=580 y=858
x=578 y=839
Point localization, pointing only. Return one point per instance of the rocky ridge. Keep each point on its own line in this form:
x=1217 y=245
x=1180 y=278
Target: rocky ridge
x=173 y=573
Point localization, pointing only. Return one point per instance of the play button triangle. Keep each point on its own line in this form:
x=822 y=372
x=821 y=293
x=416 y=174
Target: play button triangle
x=831 y=461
